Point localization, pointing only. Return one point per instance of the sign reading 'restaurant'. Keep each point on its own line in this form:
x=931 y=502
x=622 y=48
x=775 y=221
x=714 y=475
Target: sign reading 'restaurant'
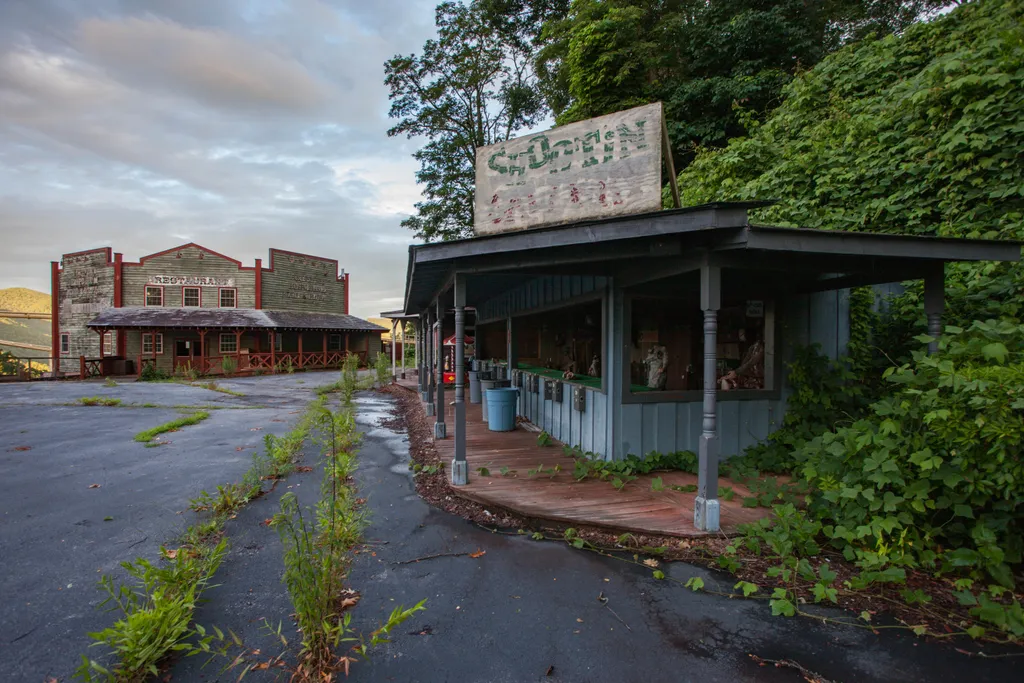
x=191 y=280
x=597 y=168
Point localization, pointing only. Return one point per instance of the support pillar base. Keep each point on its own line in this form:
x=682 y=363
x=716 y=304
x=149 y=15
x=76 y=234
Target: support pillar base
x=706 y=514
x=460 y=472
x=440 y=432
x=430 y=409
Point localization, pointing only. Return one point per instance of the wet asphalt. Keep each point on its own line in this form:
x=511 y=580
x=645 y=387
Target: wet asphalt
x=522 y=611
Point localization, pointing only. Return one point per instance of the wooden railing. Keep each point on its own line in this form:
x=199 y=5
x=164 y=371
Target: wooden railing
x=89 y=367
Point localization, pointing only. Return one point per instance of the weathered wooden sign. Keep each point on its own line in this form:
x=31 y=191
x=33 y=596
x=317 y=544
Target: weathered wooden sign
x=607 y=166
x=193 y=280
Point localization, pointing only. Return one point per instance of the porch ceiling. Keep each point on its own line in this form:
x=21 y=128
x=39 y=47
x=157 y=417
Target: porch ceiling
x=646 y=247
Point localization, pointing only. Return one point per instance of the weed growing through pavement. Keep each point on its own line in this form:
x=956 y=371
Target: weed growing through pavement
x=109 y=382
x=172 y=426
x=383 y=369
x=99 y=401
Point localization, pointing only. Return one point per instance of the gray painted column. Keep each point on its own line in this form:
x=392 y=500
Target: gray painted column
x=428 y=364
x=706 y=512
x=460 y=468
x=394 y=347
x=440 y=430
x=614 y=367
x=934 y=301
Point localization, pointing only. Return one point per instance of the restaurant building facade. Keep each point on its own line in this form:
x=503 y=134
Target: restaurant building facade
x=192 y=307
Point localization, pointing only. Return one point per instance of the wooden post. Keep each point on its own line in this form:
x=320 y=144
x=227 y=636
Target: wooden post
x=394 y=347
x=460 y=468
x=428 y=363
x=238 y=351
x=670 y=164
x=300 y=349
x=324 y=349
x=934 y=302
x=273 y=350
x=101 y=347
x=706 y=507
x=203 y=352
x=81 y=367
x=440 y=429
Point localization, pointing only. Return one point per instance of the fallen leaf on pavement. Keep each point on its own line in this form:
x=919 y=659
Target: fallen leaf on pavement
x=651 y=562
x=171 y=554
x=478 y=553
x=304 y=468
x=22 y=448
x=94 y=486
x=551 y=670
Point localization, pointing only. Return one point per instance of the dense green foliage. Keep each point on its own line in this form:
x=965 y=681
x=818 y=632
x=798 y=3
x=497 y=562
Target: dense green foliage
x=697 y=57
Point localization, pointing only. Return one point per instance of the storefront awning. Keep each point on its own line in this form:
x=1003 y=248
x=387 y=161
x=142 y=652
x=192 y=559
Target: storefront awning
x=141 y=317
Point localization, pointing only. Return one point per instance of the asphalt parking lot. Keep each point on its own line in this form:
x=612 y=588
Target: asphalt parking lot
x=67 y=468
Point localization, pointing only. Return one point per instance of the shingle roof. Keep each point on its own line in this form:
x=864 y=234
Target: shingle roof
x=234 y=318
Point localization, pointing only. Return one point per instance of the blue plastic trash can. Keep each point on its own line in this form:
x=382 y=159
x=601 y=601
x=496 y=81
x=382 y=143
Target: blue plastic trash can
x=485 y=386
x=501 y=409
x=474 y=386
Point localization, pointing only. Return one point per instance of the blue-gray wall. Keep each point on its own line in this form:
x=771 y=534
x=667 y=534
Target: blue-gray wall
x=639 y=428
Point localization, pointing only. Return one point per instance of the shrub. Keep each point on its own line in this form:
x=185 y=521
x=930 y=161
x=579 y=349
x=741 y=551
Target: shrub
x=382 y=366
x=932 y=476
x=228 y=364
x=151 y=373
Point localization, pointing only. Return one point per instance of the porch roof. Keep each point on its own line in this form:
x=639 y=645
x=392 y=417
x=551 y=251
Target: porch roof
x=644 y=247
x=142 y=317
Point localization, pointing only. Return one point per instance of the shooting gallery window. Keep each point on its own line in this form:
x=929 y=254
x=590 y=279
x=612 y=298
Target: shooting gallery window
x=65 y=343
x=148 y=340
x=154 y=296
x=109 y=348
x=667 y=345
x=334 y=342
x=228 y=343
x=191 y=297
x=228 y=298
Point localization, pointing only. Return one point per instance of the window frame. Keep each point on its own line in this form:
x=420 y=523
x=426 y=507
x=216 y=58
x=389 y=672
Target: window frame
x=65 y=342
x=331 y=338
x=220 y=297
x=773 y=371
x=158 y=337
x=198 y=289
x=145 y=296
x=234 y=342
x=278 y=342
x=109 y=343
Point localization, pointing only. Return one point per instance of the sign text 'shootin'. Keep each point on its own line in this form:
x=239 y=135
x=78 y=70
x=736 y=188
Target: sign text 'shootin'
x=191 y=280
x=607 y=166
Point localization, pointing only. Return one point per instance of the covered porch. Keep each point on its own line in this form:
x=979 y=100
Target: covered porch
x=218 y=341
x=663 y=332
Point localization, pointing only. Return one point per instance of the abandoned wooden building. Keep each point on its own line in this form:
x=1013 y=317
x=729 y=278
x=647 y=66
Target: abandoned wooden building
x=660 y=331
x=192 y=307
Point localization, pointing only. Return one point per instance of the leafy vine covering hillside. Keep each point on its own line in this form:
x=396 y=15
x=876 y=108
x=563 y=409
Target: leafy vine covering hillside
x=921 y=133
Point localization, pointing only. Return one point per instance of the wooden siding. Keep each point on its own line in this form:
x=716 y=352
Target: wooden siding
x=302 y=283
x=86 y=289
x=585 y=430
x=193 y=262
x=539 y=294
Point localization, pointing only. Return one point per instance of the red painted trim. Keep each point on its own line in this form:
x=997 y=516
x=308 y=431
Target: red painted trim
x=346 y=294
x=200 y=247
x=160 y=337
x=221 y=289
x=163 y=295
x=259 y=284
x=117 y=280
x=183 y=288
x=55 y=332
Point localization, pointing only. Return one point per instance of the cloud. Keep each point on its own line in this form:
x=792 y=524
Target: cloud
x=139 y=124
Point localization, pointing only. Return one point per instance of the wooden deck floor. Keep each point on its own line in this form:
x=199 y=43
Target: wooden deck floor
x=561 y=498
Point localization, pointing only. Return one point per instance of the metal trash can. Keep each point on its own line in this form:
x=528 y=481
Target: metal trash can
x=474 y=386
x=502 y=413
x=485 y=385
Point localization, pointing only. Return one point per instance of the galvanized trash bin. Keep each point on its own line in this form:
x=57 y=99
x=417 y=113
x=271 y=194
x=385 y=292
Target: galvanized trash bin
x=502 y=412
x=485 y=385
x=474 y=386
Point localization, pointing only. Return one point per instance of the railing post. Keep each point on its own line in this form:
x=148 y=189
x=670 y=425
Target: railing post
x=81 y=367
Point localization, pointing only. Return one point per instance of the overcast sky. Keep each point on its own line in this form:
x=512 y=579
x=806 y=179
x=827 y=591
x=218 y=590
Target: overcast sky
x=236 y=124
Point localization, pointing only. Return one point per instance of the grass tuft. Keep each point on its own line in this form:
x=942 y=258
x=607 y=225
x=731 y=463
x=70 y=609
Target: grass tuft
x=173 y=425
x=99 y=401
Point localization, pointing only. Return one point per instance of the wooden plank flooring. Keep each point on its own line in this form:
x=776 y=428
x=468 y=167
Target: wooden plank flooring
x=561 y=498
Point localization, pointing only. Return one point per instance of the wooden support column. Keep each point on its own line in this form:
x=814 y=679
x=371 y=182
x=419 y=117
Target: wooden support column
x=203 y=351
x=420 y=355
x=101 y=333
x=428 y=363
x=273 y=350
x=394 y=351
x=440 y=429
x=934 y=302
x=460 y=468
x=301 y=363
x=238 y=351
x=323 y=348
x=706 y=511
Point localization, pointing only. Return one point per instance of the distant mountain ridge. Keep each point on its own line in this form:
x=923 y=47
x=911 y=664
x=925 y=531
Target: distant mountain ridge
x=24 y=300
